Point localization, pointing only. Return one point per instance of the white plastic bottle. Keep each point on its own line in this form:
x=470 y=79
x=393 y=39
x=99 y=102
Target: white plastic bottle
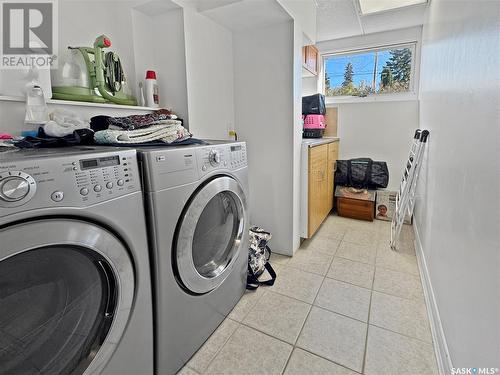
x=151 y=90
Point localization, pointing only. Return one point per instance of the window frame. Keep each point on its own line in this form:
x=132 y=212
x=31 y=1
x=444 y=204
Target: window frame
x=395 y=96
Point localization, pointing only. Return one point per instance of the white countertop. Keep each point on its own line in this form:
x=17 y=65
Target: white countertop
x=312 y=142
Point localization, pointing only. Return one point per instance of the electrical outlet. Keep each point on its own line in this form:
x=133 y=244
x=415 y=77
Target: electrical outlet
x=231 y=131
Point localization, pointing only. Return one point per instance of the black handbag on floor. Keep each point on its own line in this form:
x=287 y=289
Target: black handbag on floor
x=258 y=259
x=362 y=173
x=313 y=105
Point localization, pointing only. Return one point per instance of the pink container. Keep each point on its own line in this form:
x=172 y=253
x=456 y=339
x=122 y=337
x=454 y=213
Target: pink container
x=314 y=121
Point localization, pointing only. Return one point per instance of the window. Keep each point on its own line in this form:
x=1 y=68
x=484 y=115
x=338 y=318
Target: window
x=376 y=71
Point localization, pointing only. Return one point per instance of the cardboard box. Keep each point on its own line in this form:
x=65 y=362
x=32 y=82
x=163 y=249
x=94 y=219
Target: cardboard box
x=385 y=206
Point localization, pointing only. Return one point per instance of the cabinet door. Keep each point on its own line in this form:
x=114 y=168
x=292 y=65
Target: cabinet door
x=333 y=155
x=312 y=59
x=317 y=187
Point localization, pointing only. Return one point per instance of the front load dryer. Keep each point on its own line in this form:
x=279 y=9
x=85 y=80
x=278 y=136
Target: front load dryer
x=75 y=288
x=197 y=204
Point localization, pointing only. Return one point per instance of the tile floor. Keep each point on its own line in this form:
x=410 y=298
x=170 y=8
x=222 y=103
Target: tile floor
x=345 y=304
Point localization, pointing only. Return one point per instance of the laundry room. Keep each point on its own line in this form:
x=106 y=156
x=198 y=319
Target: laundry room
x=249 y=187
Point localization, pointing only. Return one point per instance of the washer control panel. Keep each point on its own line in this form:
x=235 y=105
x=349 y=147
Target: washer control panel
x=69 y=180
x=224 y=156
x=104 y=175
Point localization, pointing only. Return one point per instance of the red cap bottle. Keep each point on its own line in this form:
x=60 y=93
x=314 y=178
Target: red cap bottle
x=151 y=92
x=150 y=74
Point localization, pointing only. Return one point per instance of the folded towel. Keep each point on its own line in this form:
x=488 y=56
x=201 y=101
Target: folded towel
x=164 y=133
x=159 y=122
x=132 y=122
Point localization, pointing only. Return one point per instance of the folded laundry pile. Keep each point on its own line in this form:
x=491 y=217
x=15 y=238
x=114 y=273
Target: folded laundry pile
x=159 y=126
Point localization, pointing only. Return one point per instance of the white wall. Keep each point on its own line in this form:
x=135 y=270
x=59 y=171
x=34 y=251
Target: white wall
x=170 y=58
x=264 y=117
x=209 y=69
x=406 y=35
x=113 y=20
x=378 y=130
x=309 y=85
x=458 y=209
x=304 y=15
x=298 y=37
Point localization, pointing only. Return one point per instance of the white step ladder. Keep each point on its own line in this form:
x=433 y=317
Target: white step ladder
x=405 y=198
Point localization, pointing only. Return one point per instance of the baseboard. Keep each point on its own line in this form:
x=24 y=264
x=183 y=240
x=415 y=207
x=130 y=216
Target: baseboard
x=440 y=346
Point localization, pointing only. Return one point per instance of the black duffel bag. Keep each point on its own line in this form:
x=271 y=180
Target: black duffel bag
x=313 y=105
x=362 y=173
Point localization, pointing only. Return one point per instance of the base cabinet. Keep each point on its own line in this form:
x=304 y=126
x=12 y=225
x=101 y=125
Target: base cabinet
x=322 y=161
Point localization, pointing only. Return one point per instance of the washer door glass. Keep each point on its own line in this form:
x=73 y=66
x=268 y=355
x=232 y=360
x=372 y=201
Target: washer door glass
x=56 y=307
x=209 y=237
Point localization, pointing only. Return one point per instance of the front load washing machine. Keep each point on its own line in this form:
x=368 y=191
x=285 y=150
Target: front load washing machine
x=197 y=204
x=75 y=288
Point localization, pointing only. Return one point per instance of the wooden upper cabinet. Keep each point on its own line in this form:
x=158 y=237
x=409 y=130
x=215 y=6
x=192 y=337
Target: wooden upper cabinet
x=310 y=60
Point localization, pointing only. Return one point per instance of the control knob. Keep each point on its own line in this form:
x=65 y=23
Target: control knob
x=14 y=189
x=214 y=157
x=16 y=186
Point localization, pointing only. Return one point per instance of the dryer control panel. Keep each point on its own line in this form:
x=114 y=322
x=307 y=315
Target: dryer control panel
x=68 y=178
x=167 y=167
x=222 y=156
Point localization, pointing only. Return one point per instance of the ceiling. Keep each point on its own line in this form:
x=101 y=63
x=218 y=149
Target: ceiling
x=155 y=7
x=341 y=19
x=239 y=15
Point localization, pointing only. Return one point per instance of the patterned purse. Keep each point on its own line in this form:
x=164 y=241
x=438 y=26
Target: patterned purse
x=258 y=258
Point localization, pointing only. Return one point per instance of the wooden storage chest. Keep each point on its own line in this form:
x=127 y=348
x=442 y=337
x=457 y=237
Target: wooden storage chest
x=359 y=206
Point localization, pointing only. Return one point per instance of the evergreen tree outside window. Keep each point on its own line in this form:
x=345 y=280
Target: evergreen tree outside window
x=347 y=75
x=370 y=72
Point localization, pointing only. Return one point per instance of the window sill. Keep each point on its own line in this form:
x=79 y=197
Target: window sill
x=332 y=101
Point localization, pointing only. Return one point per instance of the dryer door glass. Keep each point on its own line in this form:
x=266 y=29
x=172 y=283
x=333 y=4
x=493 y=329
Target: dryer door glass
x=209 y=237
x=216 y=230
x=56 y=308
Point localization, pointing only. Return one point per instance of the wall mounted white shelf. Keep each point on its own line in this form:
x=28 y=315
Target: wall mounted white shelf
x=7 y=98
